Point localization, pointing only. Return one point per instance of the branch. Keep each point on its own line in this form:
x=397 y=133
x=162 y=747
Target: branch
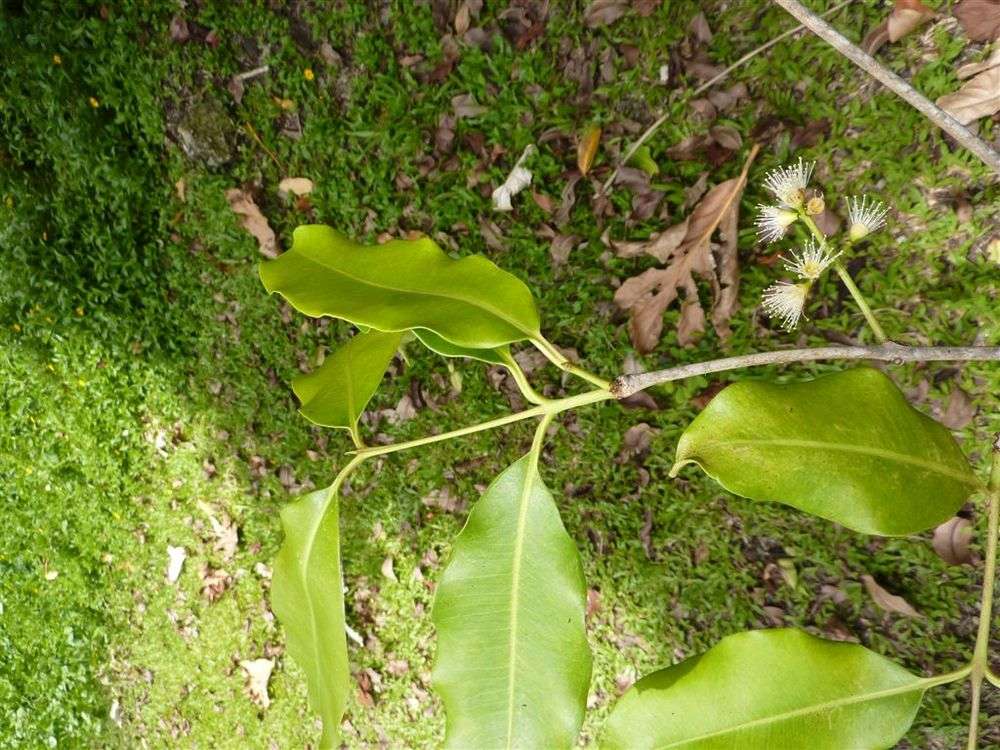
x=626 y=385
x=890 y=80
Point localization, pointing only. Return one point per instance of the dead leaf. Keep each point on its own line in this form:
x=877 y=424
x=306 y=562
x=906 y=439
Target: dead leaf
x=295 y=186
x=175 y=561
x=445 y=500
x=518 y=179
x=586 y=150
x=951 y=541
x=971 y=69
x=214 y=582
x=253 y=221
x=699 y=29
x=465 y=105
x=648 y=295
x=959 y=411
x=660 y=245
x=980 y=19
x=560 y=248
x=907 y=16
x=604 y=12
x=978 y=97
x=181 y=187
x=889 y=602
x=636 y=442
x=388 y=571
x=225 y=531
x=258 y=674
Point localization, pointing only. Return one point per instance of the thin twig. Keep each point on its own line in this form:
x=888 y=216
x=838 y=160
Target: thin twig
x=626 y=385
x=893 y=82
x=702 y=89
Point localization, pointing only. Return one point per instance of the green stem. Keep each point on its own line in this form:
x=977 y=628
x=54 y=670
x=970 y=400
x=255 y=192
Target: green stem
x=556 y=357
x=848 y=281
x=980 y=656
x=521 y=379
x=552 y=407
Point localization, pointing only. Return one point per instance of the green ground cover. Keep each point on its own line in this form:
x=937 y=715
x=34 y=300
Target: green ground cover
x=144 y=373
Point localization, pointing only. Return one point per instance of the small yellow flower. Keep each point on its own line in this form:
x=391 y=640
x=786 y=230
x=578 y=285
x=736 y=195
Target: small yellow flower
x=56 y=60
x=79 y=312
x=308 y=73
x=93 y=102
x=9 y=201
x=16 y=327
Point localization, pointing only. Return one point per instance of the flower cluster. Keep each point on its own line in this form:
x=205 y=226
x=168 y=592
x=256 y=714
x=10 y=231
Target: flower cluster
x=785 y=300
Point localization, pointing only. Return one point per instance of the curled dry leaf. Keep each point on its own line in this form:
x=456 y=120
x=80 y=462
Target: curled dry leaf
x=636 y=442
x=951 y=541
x=258 y=674
x=980 y=19
x=660 y=245
x=906 y=16
x=970 y=69
x=959 y=411
x=978 y=97
x=648 y=295
x=604 y=12
x=175 y=561
x=518 y=179
x=295 y=186
x=253 y=221
x=586 y=150
x=889 y=602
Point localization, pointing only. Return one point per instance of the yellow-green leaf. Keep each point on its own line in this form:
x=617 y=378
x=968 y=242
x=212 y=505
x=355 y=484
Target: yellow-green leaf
x=403 y=284
x=846 y=447
x=769 y=690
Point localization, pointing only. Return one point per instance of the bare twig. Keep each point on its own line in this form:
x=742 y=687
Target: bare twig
x=701 y=90
x=893 y=82
x=626 y=385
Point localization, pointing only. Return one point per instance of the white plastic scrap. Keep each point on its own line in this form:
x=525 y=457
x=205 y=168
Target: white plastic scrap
x=518 y=179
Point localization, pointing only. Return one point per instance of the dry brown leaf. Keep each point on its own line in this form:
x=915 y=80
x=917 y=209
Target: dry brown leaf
x=253 y=221
x=648 y=295
x=951 y=541
x=970 y=69
x=258 y=674
x=959 y=411
x=465 y=105
x=295 y=186
x=560 y=248
x=636 y=442
x=214 y=582
x=978 y=97
x=699 y=29
x=889 y=602
x=907 y=16
x=980 y=19
x=604 y=12
x=660 y=245
x=586 y=150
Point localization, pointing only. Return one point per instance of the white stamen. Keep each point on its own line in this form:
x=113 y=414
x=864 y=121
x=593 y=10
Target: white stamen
x=864 y=217
x=784 y=302
x=772 y=221
x=810 y=263
x=789 y=183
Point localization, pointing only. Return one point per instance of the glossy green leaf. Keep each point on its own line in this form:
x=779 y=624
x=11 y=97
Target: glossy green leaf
x=847 y=447
x=403 y=284
x=495 y=356
x=307 y=597
x=513 y=665
x=770 y=690
x=336 y=393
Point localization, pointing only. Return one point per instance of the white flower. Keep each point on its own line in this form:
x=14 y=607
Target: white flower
x=518 y=179
x=785 y=301
x=810 y=263
x=772 y=221
x=789 y=183
x=864 y=217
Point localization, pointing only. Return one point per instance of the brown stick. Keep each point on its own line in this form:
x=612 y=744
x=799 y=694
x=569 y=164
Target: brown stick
x=626 y=385
x=893 y=82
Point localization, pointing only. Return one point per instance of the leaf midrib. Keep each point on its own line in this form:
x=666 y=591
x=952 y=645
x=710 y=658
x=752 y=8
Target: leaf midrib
x=920 y=685
x=902 y=458
x=474 y=303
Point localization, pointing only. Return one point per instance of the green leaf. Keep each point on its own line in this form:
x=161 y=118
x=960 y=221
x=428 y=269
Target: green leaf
x=770 y=690
x=403 y=284
x=847 y=447
x=513 y=665
x=336 y=393
x=307 y=597
x=495 y=356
